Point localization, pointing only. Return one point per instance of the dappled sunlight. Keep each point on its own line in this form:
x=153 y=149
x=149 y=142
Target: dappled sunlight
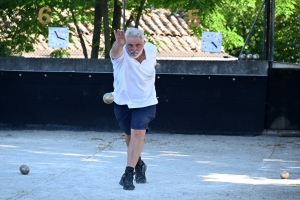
x=116 y=152
x=46 y=163
x=48 y=148
x=205 y=162
x=40 y=152
x=294 y=167
x=75 y=154
x=208 y=162
x=171 y=153
x=8 y=146
x=244 y=179
x=55 y=153
x=94 y=160
x=148 y=157
x=96 y=157
x=85 y=157
x=279 y=160
x=166 y=154
x=104 y=156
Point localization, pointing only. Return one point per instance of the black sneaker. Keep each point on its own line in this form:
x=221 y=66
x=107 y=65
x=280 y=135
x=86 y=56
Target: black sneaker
x=127 y=181
x=140 y=172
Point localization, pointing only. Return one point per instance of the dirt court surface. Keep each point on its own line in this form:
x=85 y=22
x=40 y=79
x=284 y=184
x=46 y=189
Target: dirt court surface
x=88 y=165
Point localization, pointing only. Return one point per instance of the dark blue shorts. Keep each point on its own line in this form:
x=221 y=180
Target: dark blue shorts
x=134 y=118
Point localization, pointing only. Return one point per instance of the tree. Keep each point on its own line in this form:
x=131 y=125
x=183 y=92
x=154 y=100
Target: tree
x=23 y=26
x=20 y=27
x=106 y=28
x=211 y=15
x=287 y=39
x=17 y=36
x=97 y=29
x=235 y=18
x=116 y=22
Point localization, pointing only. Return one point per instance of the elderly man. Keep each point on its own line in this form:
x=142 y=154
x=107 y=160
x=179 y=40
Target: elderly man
x=135 y=98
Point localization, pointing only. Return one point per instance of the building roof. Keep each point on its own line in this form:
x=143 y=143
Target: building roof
x=168 y=31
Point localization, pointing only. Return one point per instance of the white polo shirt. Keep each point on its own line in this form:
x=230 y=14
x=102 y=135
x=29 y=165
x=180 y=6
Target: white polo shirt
x=134 y=81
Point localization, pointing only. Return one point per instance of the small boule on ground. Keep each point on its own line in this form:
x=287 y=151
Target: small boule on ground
x=24 y=169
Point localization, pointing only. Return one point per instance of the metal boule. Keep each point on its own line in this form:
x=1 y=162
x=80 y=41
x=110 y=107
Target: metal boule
x=108 y=98
x=24 y=169
x=284 y=175
x=249 y=56
x=242 y=56
x=255 y=56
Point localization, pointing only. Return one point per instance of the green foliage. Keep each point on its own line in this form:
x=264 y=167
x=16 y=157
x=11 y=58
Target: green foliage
x=20 y=27
x=234 y=18
x=238 y=16
x=60 y=53
x=4 y=50
x=287 y=45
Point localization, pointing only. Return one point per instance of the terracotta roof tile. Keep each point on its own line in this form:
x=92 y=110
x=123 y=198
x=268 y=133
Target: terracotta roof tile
x=152 y=25
x=169 y=25
x=160 y=25
x=178 y=27
x=146 y=28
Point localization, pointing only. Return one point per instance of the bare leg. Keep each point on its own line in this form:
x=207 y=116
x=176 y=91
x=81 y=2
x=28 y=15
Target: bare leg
x=127 y=139
x=135 y=146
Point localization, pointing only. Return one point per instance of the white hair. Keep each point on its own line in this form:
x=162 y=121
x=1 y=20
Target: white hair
x=134 y=32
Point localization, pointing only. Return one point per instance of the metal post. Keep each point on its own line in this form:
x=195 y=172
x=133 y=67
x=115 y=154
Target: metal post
x=246 y=41
x=268 y=3
x=263 y=51
x=272 y=31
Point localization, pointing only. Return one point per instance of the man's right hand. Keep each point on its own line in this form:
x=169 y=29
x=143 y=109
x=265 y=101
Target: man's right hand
x=120 y=36
x=117 y=48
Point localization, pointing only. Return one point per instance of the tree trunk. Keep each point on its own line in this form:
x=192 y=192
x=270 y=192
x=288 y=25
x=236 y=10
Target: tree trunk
x=116 y=23
x=79 y=34
x=106 y=28
x=131 y=18
x=97 y=29
x=139 y=13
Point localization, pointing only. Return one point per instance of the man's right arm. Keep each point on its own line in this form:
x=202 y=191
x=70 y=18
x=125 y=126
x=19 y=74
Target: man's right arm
x=117 y=48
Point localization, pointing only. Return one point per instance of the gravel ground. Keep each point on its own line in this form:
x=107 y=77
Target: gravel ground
x=89 y=165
